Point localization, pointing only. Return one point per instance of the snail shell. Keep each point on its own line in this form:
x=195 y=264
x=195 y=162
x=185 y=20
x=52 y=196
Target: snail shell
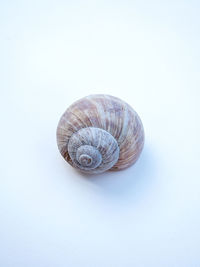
x=99 y=133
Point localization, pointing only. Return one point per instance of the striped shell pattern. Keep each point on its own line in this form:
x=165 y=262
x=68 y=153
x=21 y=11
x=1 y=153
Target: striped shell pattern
x=99 y=133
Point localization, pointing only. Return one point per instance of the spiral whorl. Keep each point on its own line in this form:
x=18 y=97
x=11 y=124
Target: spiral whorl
x=100 y=132
x=88 y=156
x=93 y=150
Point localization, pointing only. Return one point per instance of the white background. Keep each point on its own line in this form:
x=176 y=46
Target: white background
x=55 y=52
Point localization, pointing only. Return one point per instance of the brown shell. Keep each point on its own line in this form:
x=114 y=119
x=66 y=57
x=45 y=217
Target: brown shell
x=110 y=114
